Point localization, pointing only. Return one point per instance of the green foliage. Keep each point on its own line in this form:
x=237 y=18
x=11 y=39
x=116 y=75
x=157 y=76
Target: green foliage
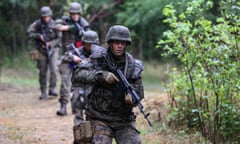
x=205 y=95
x=144 y=20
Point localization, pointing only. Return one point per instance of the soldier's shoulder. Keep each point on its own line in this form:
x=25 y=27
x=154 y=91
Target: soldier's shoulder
x=98 y=51
x=35 y=25
x=135 y=65
x=139 y=64
x=59 y=21
x=63 y=19
x=36 y=22
x=84 y=22
x=138 y=68
x=52 y=23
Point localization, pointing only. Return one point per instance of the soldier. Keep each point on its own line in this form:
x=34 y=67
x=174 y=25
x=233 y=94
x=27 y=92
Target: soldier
x=72 y=28
x=47 y=43
x=80 y=91
x=110 y=107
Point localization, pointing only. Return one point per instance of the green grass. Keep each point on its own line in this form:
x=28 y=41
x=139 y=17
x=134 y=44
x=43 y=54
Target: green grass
x=19 y=80
x=20 y=71
x=156 y=74
x=22 y=61
x=160 y=134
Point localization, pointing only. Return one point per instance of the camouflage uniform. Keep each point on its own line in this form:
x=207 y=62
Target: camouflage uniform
x=81 y=91
x=73 y=35
x=107 y=109
x=35 y=30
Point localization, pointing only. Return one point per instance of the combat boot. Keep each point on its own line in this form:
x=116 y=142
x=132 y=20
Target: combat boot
x=63 y=110
x=52 y=92
x=43 y=95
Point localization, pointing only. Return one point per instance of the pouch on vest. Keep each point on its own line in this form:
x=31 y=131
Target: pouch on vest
x=34 y=54
x=83 y=132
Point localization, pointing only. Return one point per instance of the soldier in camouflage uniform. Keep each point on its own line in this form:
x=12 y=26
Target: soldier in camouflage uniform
x=110 y=107
x=80 y=57
x=72 y=28
x=47 y=43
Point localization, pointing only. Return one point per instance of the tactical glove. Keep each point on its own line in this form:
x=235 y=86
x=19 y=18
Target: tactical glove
x=80 y=33
x=72 y=27
x=128 y=99
x=110 y=78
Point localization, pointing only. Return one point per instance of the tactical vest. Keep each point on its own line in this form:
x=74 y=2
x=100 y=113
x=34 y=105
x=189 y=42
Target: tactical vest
x=106 y=102
x=84 y=89
x=84 y=64
x=49 y=32
x=69 y=37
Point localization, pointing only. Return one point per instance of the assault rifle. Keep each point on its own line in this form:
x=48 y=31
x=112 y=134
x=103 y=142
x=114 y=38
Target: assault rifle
x=72 y=47
x=135 y=97
x=79 y=28
x=49 y=50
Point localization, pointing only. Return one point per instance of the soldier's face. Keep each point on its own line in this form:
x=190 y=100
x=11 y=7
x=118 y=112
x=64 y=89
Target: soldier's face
x=88 y=46
x=75 y=16
x=46 y=19
x=118 y=47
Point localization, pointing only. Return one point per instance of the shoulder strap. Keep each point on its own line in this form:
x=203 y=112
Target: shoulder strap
x=84 y=23
x=139 y=66
x=130 y=65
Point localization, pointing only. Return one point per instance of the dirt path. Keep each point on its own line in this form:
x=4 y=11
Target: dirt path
x=26 y=120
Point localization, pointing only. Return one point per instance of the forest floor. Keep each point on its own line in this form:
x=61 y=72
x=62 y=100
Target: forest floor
x=24 y=119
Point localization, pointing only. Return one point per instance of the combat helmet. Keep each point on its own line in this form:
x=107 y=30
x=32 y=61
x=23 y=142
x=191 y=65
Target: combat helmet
x=118 y=32
x=45 y=11
x=75 y=7
x=90 y=37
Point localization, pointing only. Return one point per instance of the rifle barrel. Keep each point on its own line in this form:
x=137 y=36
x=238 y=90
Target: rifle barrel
x=130 y=90
x=49 y=52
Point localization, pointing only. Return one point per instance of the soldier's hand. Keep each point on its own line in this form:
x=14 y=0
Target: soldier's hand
x=42 y=38
x=49 y=44
x=71 y=27
x=128 y=99
x=76 y=59
x=110 y=78
x=43 y=46
x=80 y=32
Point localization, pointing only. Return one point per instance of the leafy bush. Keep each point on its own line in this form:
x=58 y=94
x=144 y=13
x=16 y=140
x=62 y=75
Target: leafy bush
x=205 y=95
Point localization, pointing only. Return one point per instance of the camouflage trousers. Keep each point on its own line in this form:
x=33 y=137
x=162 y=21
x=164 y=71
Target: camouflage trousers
x=77 y=104
x=65 y=73
x=43 y=63
x=124 y=133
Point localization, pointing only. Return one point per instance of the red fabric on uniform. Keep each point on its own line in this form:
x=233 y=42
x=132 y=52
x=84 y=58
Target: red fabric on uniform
x=78 y=44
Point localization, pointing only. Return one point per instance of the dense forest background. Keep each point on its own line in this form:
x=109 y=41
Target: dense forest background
x=144 y=19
